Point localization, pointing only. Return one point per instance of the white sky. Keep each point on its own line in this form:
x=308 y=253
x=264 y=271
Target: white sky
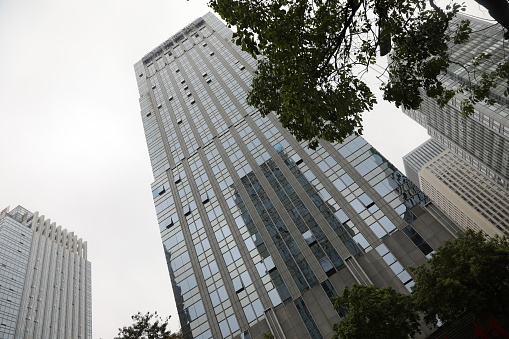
x=72 y=139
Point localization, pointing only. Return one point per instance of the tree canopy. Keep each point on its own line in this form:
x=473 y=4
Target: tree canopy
x=312 y=55
x=373 y=312
x=466 y=275
x=147 y=326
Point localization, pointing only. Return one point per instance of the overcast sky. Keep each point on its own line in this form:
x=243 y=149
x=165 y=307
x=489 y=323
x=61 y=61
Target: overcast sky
x=72 y=143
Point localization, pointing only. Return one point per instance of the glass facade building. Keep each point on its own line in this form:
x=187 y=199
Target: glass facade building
x=259 y=231
x=45 y=279
x=482 y=139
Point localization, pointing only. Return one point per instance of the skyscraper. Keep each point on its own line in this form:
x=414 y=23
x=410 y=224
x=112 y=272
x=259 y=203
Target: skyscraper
x=466 y=195
x=45 y=279
x=260 y=231
x=415 y=160
x=482 y=139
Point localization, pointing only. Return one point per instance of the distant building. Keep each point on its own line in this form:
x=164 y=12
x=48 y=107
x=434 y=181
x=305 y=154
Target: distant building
x=260 y=231
x=415 y=160
x=482 y=139
x=466 y=195
x=45 y=279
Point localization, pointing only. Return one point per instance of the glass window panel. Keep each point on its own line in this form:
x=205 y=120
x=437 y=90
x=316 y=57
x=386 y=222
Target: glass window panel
x=246 y=279
x=225 y=329
x=378 y=230
x=274 y=297
x=359 y=238
x=258 y=308
x=389 y=259
x=223 y=296
x=214 y=297
x=404 y=277
x=339 y=184
x=326 y=264
x=382 y=250
x=387 y=224
x=357 y=205
x=232 y=321
x=250 y=315
x=396 y=268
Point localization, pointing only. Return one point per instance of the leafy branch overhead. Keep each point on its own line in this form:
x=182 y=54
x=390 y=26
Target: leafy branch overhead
x=312 y=55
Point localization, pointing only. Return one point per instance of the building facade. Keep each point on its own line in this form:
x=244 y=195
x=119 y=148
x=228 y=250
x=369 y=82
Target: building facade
x=482 y=139
x=259 y=231
x=414 y=161
x=466 y=195
x=45 y=279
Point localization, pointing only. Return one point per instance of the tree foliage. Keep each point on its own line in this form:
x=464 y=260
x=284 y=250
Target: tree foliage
x=312 y=55
x=467 y=275
x=373 y=312
x=147 y=326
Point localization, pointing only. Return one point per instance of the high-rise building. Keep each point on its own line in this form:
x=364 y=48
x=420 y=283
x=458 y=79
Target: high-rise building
x=461 y=191
x=466 y=195
x=45 y=279
x=260 y=231
x=482 y=139
x=415 y=160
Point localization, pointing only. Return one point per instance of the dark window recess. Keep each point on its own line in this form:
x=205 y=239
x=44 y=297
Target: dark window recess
x=299 y=162
x=417 y=240
x=307 y=319
x=204 y=198
x=170 y=223
x=368 y=206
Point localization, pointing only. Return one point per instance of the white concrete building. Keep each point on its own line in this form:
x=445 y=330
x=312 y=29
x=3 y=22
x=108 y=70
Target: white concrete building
x=45 y=279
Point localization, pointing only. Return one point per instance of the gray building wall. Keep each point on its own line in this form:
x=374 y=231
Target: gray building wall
x=259 y=231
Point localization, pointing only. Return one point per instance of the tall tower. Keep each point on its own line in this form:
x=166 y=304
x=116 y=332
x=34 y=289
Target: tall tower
x=260 y=231
x=45 y=279
x=462 y=192
x=482 y=139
